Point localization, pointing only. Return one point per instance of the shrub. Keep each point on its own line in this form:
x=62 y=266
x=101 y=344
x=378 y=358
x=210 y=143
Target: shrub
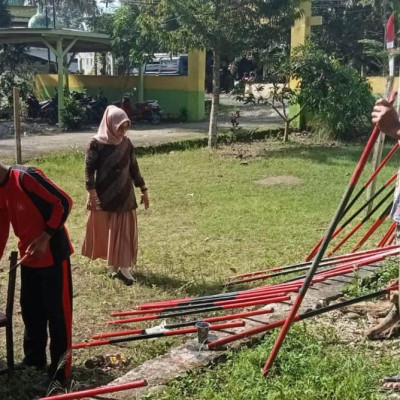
x=74 y=114
x=183 y=114
x=337 y=97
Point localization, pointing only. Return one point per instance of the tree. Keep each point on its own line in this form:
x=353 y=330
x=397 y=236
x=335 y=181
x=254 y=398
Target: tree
x=88 y=7
x=71 y=13
x=13 y=66
x=353 y=31
x=130 y=45
x=274 y=89
x=339 y=99
x=221 y=26
x=5 y=16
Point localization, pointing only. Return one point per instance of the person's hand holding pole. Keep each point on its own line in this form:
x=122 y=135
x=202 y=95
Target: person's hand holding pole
x=38 y=247
x=386 y=119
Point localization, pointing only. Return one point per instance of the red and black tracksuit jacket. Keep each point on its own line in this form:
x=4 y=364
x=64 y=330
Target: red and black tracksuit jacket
x=32 y=203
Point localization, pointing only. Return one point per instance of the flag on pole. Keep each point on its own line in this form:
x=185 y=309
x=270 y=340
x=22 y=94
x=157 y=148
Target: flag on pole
x=390 y=38
x=390 y=33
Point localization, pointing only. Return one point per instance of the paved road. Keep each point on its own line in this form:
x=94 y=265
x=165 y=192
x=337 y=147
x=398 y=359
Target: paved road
x=141 y=135
x=33 y=145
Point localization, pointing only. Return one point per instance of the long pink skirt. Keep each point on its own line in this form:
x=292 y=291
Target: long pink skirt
x=113 y=237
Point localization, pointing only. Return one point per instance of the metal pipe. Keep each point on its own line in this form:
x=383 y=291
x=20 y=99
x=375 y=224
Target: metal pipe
x=358 y=195
x=338 y=215
x=250 y=297
x=356 y=257
x=294 y=266
x=202 y=310
x=266 y=327
x=97 y=391
x=373 y=227
x=187 y=323
x=132 y=338
x=361 y=223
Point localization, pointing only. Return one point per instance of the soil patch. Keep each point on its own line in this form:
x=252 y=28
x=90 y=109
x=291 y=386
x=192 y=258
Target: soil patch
x=280 y=180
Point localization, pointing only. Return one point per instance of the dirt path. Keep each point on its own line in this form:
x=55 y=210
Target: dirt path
x=36 y=144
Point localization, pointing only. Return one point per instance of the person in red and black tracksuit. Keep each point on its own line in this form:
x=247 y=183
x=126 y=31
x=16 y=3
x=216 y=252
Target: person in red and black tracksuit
x=37 y=210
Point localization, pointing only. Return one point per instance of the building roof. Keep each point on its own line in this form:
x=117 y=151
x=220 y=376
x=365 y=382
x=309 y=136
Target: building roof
x=84 y=41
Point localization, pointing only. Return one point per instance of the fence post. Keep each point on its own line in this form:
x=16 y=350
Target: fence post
x=17 y=126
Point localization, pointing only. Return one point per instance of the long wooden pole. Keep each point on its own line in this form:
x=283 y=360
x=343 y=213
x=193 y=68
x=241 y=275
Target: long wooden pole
x=17 y=126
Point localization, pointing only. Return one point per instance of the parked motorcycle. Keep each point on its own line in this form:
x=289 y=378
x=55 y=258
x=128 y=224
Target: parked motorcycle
x=47 y=109
x=150 y=110
x=6 y=113
x=94 y=106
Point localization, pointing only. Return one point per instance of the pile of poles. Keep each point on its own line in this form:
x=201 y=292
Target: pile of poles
x=319 y=270
x=243 y=299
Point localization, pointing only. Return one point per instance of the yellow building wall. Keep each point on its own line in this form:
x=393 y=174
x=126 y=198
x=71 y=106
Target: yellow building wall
x=378 y=84
x=175 y=93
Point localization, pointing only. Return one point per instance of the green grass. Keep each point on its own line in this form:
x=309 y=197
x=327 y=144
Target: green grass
x=380 y=279
x=209 y=216
x=312 y=366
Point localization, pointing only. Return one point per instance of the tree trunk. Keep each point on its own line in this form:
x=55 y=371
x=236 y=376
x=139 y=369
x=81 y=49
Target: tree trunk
x=141 y=84
x=286 y=133
x=212 y=131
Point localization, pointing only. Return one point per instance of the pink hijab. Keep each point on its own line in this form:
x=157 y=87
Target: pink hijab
x=113 y=118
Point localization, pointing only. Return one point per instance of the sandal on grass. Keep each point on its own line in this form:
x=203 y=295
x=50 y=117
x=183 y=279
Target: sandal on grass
x=391 y=383
x=395 y=379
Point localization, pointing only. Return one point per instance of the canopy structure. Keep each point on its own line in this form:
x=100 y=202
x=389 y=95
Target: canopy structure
x=60 y=42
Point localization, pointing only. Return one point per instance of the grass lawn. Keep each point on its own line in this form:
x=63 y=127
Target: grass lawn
x=315 y=364
x=210 y=215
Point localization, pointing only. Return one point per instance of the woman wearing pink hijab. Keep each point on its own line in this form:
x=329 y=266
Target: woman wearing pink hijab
x=111 y=167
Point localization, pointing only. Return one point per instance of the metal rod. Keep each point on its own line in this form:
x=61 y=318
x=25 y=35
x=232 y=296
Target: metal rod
x=243 y=304
x=339 y=213
x=361 y=223
x=187 y=323
x=294 y=266
x=386 y=236
x=250 y=297
x=266 y=327
x=321 y=265
x=132 y=338
x=94 y=392
x=373 y=227
x=358 y=195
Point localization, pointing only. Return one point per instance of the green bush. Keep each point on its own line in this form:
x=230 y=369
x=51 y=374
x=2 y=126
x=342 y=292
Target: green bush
x=183 y=114
x=378 y=281
x=74 y=114
x=338 y=98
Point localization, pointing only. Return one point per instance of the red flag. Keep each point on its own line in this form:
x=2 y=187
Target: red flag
x=390 y=33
